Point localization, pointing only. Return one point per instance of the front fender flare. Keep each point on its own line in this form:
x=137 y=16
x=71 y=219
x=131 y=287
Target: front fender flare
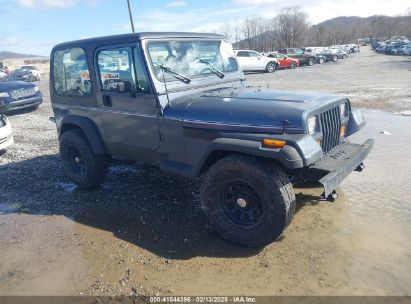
x=288 y=156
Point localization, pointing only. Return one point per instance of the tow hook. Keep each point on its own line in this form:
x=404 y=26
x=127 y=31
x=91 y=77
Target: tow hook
x=360 y=168
x=332 y=197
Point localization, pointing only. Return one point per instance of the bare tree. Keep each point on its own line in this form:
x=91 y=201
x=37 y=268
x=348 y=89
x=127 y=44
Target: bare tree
x=292 y=26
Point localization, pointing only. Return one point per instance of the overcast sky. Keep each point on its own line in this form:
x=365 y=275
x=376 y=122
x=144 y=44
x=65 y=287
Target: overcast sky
x=34 y=26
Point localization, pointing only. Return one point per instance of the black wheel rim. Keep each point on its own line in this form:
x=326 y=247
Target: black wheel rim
x=241 y=204
x=76 y=161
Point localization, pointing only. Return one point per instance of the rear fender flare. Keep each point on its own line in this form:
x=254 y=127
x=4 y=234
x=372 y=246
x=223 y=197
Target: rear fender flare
x=89 y=129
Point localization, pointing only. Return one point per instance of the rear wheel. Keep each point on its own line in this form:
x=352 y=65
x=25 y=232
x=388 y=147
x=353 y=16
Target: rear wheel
x=271 y=67
x=249 y=201
x=81 y=165
x=293 y=65
x=335 y=58
x=321 y=61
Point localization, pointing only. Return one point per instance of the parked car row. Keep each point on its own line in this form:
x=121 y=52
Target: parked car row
x=291 y=58
x=28 y=73
x=401 y=46
x=15 y=95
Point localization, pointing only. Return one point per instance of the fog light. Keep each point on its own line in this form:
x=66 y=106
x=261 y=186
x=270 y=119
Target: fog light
x=274 y=143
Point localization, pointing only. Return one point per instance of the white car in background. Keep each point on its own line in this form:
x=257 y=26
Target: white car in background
x=254 y=61
x=6 y=134
x=33 y=70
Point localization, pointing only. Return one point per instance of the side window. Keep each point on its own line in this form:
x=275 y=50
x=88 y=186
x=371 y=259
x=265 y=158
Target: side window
x=243 y=54
x=116 y=70
x=143 y=83
x=71 y=73
x=254 y=54
x=120 y=73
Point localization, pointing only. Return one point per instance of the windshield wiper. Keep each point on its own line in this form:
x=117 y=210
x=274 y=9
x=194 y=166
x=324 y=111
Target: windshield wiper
x=174 y=73
x=212 y=68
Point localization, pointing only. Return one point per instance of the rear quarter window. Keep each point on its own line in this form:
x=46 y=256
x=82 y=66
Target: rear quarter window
x=71 y=76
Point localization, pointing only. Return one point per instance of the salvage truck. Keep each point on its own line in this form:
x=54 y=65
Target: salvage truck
x=180 y=101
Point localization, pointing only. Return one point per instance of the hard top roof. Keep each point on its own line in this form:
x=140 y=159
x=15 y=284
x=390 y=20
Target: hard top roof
x=138 y=36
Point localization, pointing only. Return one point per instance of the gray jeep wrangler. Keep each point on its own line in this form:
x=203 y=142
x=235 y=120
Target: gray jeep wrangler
x=179 y=101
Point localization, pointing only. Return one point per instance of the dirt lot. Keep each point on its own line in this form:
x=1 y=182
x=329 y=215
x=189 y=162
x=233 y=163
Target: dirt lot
x=143 y=231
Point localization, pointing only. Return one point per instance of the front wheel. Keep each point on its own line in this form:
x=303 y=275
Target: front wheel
x=321 y=61
x=271 y=67
x=81 y=165
x=335 y=58
x=249 y=201
x=311 y=61
x=293 y=65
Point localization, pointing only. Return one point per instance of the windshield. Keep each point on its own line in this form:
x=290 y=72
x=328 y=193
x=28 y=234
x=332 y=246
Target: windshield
x=4 y=77
x=191 y=58
x=20 y=72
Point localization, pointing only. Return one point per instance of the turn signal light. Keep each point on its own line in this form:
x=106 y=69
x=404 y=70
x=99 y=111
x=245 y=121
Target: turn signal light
x=342 y=130
x=274 y=143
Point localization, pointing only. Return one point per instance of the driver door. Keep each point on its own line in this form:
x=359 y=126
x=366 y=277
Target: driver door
x=128 y=106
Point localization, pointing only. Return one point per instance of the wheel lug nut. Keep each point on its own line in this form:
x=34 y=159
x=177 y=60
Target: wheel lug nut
x=241 y=202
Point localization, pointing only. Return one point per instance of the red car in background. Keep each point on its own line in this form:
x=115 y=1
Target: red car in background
x=285 y=62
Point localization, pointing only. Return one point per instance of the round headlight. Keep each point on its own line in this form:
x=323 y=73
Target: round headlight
x=343 y=109
x=312 y=124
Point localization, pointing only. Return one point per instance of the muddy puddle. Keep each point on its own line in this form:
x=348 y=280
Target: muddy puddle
x=143 y=232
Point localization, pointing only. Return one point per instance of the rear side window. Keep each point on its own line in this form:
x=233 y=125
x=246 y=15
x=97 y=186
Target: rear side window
x=243 y=54
x=71 y=73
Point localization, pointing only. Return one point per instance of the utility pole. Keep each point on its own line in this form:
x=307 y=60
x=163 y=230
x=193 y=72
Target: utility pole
x=131 y=16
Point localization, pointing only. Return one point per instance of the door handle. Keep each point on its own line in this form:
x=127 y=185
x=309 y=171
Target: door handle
x=107 y=101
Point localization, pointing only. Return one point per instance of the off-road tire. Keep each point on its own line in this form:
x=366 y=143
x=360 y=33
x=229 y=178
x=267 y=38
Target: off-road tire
x=95 y=165
x=273 y=188
x=293 y=65
x=271 y=67
x=311 y=61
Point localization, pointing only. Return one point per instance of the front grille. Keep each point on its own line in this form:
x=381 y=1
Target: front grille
x=18 y=94
x=330 y=122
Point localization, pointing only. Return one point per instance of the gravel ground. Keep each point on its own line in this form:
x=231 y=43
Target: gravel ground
x=143 y=232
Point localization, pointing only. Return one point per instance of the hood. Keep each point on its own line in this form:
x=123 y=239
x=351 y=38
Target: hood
x=8 y=86
x=249 y=109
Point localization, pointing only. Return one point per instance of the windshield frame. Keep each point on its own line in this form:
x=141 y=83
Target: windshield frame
x=169 y=81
